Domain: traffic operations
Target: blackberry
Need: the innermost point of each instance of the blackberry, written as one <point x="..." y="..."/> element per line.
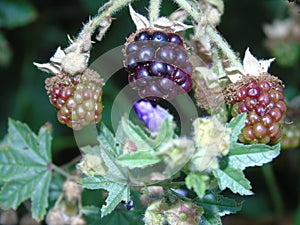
<point x="262" y="98"/>
<point x="158" y="64"/>
<point x="291" y="136"/>
<point x="78" y="99"/>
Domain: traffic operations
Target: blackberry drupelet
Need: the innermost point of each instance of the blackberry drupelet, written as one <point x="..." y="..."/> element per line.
<point x="78" y="99"/>
<point x="158" y="64"/>
<point x="262" y="98"/>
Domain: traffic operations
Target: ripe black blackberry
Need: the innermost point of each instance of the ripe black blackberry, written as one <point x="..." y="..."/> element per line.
<point x="262" y="98"/>
<point x="158" y="64"/>
<point x="77" y="98"/>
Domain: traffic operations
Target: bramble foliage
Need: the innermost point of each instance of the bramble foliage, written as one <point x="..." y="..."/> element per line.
<point x="147" y="173"/>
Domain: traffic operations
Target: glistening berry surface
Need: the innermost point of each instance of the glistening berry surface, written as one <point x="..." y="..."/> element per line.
<point x="158" y="64"/>
<point x="77" y="99"/>
<point x="263" y="101"/>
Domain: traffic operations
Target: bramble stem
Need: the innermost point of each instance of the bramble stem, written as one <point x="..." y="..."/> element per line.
<point x="211" y="32"/>
<point x="274" y="189"/>
<point x="186" y="6"/>
<point x="154" y="10"/>
<point x="62" y="172"/>
<point x="106" y="10"/>
<point x="223" y="45"/>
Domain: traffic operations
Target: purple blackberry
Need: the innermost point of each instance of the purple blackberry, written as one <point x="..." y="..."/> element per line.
<point x="158" y="64"/>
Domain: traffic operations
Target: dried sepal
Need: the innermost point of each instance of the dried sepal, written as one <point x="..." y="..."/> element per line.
<point x="72" y="63"/>
<point x="162" y="23"/>
<point x="208" y="89"/>
<point x="139" y="20"/>
<point x="166" y="23"/>
<point x="103" y="27"/>
<point x="251" y="66"/>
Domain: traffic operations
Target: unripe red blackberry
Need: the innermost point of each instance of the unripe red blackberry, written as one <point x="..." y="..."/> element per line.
<point x="291" y="136"/>
<point x="77" y="98"/>
<point x="158" y="64"/>
<point x="262" y="98"/>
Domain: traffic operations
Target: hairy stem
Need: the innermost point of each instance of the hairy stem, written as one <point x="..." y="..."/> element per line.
<point x="223" y="45"/>
<point x="274" y="189"/>
<point x="214" y="35"/>
<point x="186" y="6"/>
<point x="62" y="172"/>
<point x="154" y="10"/>
<point x="108" y="9"/>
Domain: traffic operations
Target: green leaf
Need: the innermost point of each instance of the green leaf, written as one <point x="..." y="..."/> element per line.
<point x="135" y="134"/>
<point x="117" y="192"/>
<point x="242" y="156"/>
<point x="16" y="13"/>
<point x="115" y="171"/>
<point x="198" y="182"/>
<point x="138" y="159"/>
<point x="234" y="179"/>
<point x="92" y="163"/>
<point x="237" y="124"/>
<point x="165" y="132"/>
<point x="24" y="160"/>
<point x="108" y="141"/>
<point x="218" y="204"/>
<point x="210" y="219"/>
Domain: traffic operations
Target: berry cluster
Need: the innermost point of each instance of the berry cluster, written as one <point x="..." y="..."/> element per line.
<point x="291" y="136"/>
<point x="158" y="64"/>
<point x="263" y="101"/>
<point x="78" y="99"/>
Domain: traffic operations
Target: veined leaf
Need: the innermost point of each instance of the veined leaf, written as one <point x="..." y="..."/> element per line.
<point x="136" y="134"/>
<point x="237" y="124"/>
<point x="198" y="182"/>
<point x="234" y="179"/>
<point x="139" y="159"/>
<point x="115" y="171"/>
<point x="210" y="219"/>
<point x="242" y="156"/>
<point x="218" y="204"/>
<point x="117" y="192"/>
<point x="108" y="141"/>
<point x="24" y="160"/>
<point x="165" y="132"/>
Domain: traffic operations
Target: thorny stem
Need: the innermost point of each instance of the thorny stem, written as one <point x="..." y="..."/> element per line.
<point x="274" y="189"/>
<point x="185" y="5"/>
<point x="223" y="45"/>
<point x="211" y="32"/>
<point x="106" y="10"/>
<point x="154" y="10"/>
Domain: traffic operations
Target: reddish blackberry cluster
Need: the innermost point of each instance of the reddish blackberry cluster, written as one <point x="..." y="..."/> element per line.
<point x="263" y="101"/>
<point x="291" y="136"/>
<point x="78" y="99"/>
<point x="158" y="64"/>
